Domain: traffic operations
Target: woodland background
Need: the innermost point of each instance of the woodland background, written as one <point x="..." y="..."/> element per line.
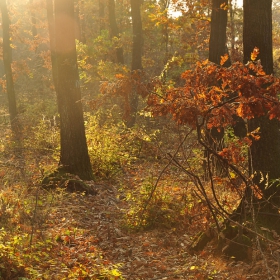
<point x="135" y="144"/>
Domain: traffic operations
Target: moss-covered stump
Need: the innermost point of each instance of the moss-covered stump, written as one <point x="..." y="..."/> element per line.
<point x="70" y="182"/>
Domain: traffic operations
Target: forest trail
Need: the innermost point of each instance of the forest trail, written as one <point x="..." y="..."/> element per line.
<point x="159" y="253"/>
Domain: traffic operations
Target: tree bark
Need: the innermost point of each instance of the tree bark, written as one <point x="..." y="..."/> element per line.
<point x="137" y="47"/>
<point x="33" y="19"/>
<point x="217" y="49"/>
<point x="101" y="15"/>
<point x="136" y="64"/>
<point x="265" y="153"/>
<point x="50" y="18"/>
<point x="218" y="38"/>
<point x="7" y="59"/>
<point x="114" y="29"/>
<point x="82" y="22"/>
<point x="74" y="156"/>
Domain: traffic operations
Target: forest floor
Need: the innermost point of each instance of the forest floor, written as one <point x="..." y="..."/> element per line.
<point x="62" y="235"/>
<point x="91" y="224"/>
<point x="158" y="253"/>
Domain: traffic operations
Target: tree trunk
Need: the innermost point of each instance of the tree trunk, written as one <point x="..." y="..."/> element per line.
<point x="74" y="156"/>
<point x="114" y="29"/>
<point x="217" y="49"/>
<point x="265" y="153"/>
<point x="77" y="20"/>
<point x="7" y="59"/>
<point x="164" y="4"/>
<point x="137" y="47"/>
<point x="82" y="22"/>
<point x="101" y="15"/>
<point x="33" y="20"/>
<point x="50" y="18"/>
<point x="218" y="38"/>
<point x="136" y="63"/>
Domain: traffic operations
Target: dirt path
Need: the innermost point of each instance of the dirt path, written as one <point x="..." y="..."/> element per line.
<point x="155" y="254"/>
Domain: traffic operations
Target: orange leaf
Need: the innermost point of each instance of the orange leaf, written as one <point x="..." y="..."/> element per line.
<point x="255" y="53"/>
<point x="224" y="59"/>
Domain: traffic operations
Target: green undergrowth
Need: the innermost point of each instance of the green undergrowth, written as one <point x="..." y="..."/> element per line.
<point x="167" y="205"/>
<point x="112" y="147"/>
<point x="33" y="247"/>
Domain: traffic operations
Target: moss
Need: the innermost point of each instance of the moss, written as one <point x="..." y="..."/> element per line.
<point x="201" y="240"/>
<point x="72" y="183"/>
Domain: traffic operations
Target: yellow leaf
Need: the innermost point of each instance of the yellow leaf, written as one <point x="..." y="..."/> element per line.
<point x="255" y="53"/>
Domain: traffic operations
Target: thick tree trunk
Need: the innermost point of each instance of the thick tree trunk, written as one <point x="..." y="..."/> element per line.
<point x="74" y="156"/>
<point x="7" y="59"/>
<point x="265" y="153"/>
<point x="114" y="29"/>
<point x="136" y="63"/>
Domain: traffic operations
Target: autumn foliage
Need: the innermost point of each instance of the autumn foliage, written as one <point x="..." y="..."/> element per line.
<point x="212" y="95"/>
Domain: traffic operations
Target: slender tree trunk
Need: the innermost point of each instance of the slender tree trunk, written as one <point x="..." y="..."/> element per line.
<point x="7" y="59"/>
<point x="101" y="15"/>
<point x="74" y="156"/>
<point x="218" y="37"/>
<point x="217" y="49"/>
<point x="33" y="20"/>
<point x="137" y="47"/>
<point x="114" y="29"/>
<point x="136" y="63"/>
<point x="77" y="20"/>
<point x="265" y="153"/>
<point x="164" y="7"/>
<point x="50" y="18"/>
<point x="83" y="22"/>
<point x="232" y="6"/>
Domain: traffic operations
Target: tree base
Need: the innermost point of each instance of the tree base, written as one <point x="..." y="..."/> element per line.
<point x="230" y="242"/>
<point x="67" y="181"/>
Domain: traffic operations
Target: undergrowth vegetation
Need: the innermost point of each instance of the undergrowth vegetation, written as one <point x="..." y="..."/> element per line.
<point x="156" y="165"/>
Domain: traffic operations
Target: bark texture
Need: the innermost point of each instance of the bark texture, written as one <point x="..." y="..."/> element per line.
<point x="74" y="156"/>
<point x="114" y="29"/>
<point x="7" y="59"/>
<point x="50" y="18"/>
<point x="265" y="153"/>
<point x="136" y="64"/>
<point x="218" y="38"/>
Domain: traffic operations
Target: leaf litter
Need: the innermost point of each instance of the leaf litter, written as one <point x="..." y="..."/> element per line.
<point x="91" y="224"/>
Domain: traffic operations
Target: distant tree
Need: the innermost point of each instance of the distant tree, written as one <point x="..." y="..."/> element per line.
<point x="33" y="19"/>
<point x="101" y="15"/>
<point x="74" y="156"/>
<point x="137" y="49"/>
<point x="217" y="49"/>
<point x="7" y="59"/>
<point x="218" y="36"/>
<point x="114" y="29"/>
<point x="50" y="19"/>
<point x="82" y="21"/>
